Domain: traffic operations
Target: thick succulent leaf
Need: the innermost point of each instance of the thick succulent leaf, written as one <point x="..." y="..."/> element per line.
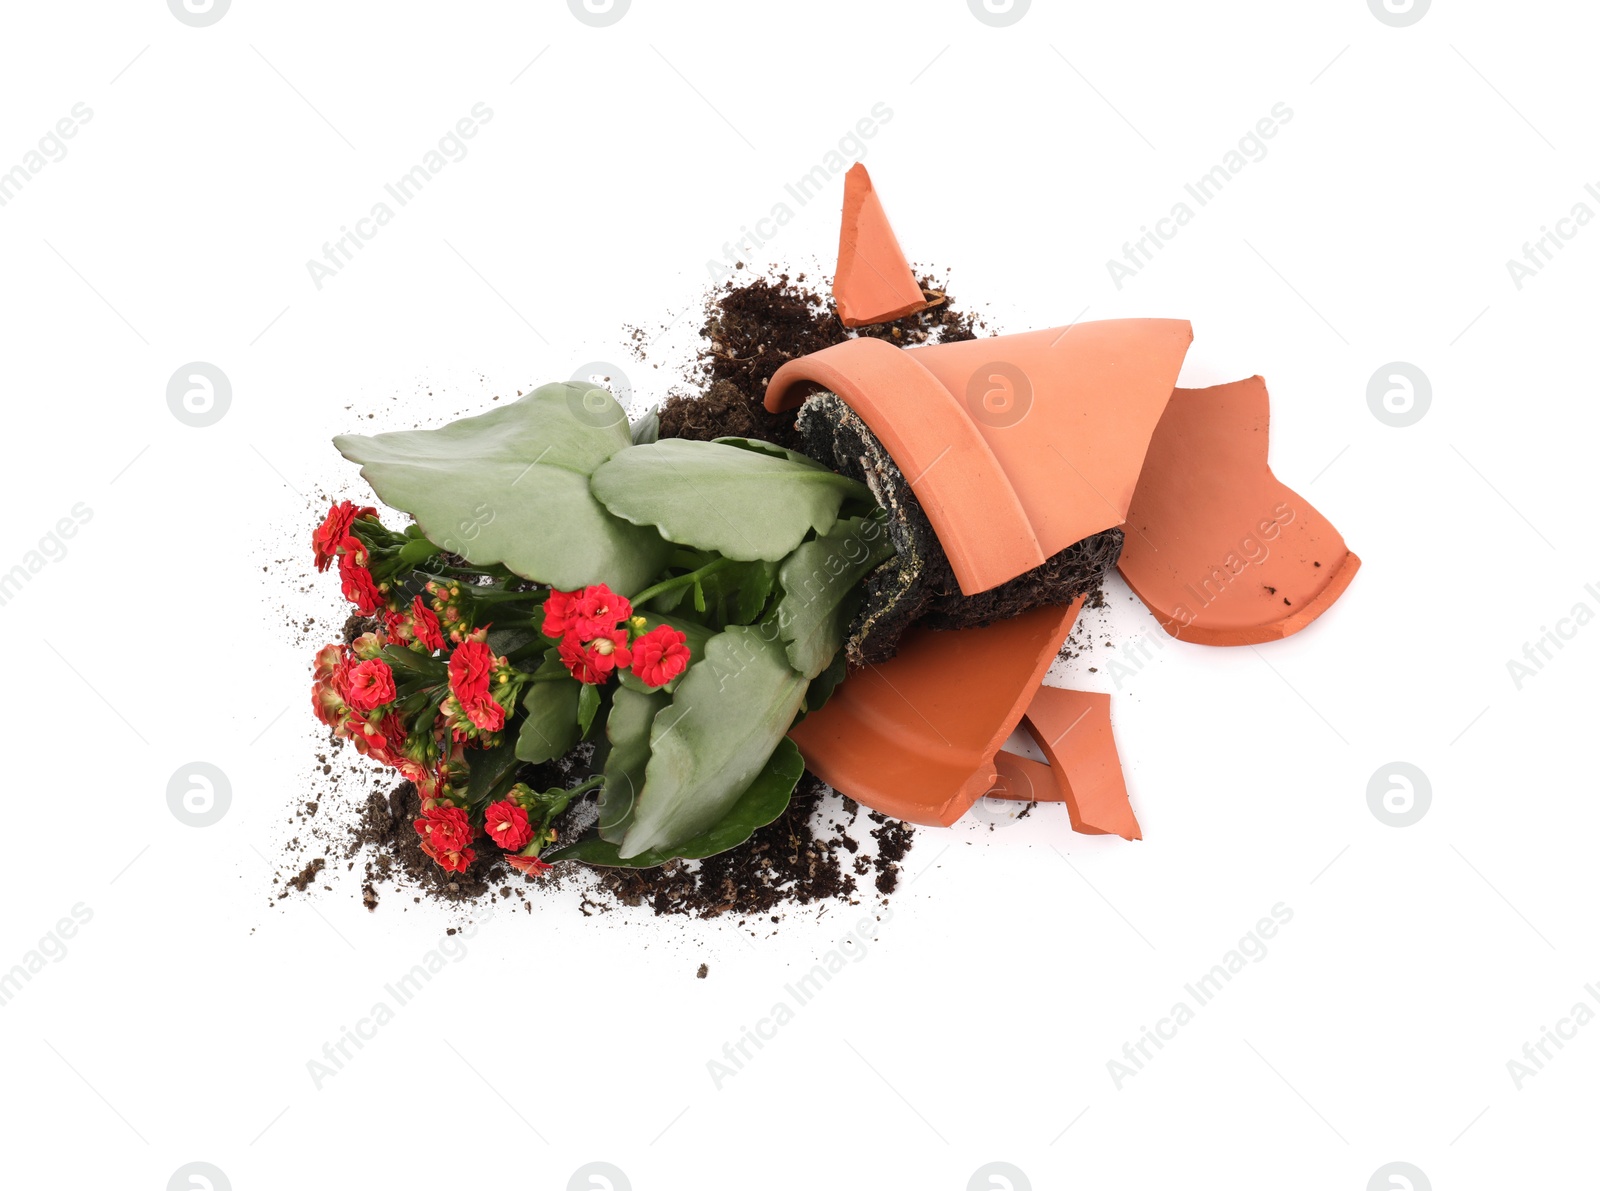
<point x="588" y="704"/>
<point x="726" y="717"/>
<point x="628" y="730"/>
<point x="512" y="486"/>
<point x="648" y="428"/>
<point x="824" y="684"/>
<point x="762" y="802"/>
<point x="552" y="724"/>
<point x="490" y="771"/>
<point x="819" y="589"/>
<point x="762" y="447"/>
<point x="744" y="504"/>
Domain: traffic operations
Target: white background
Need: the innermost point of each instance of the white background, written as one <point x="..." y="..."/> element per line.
<point x="979" y="1024"/>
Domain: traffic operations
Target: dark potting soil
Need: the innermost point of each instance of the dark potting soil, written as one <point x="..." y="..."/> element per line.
<point x="754" y="327"/>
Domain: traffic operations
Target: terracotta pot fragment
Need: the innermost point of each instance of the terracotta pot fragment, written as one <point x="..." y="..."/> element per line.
<point x="873" y="282"/>
<point x="1216" y="546"/>
<point x="1073" y="729"/>
<point x="1016" y="446"/>
<point x="915" y="737"/>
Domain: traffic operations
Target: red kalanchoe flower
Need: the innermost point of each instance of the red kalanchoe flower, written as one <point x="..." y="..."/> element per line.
<point x="384" y="741"/>
<point x="444" y="829"/>
<point x="471" y="668"/>
<point x="453" y="861"/>
<point x="486" y="715"/>
<point x="507" y="825"/>
<point x="660" y="655"/>
<point x="328" y="659"/>
<point x="425" y="628"/>
<point x="371" y="685"/>
<point x="355" y="580"/>
<point x="558" y="612"/>
<point x="531" y="865"/>
<point x="598" y="610"/>
<point x="470" y="665"/>
<point x="335" y="527"/>
<point x="593" y="661"/>
<point x="396" y="627"/>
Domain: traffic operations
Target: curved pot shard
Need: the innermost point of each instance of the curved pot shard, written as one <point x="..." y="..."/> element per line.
<point x="1073" y="729"/>
<point x="915" y="737"/>
<point x="1016" y="446"/>
<point x="872" y="283"/>
<point x="1217" y="548"/>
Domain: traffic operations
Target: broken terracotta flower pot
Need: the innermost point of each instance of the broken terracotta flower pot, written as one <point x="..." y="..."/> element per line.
<point x="915" y="737"/>
<point x="1216" y="546"/>
<point x="1016" y="448"/>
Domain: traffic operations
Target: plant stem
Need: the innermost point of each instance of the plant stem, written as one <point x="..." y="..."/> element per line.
<point x="666" y="585"/>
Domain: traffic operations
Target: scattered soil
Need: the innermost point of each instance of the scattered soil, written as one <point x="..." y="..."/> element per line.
<point x="755" y="327"/>
<point x="808" y="855"/>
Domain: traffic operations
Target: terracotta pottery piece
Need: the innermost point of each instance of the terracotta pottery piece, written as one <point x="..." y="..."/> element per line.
<point x="1073" y="729"/>
<point x="873" y="283"/>
<point x="1217" y="548"/>
<point x="1016" y="446"/>
<point x="915" y="737"/>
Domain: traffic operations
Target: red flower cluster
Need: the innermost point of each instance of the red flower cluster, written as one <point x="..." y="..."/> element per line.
<point x="446" y="832"/>
<point x="594" y="643"/>
<point x="472" y="666"/>
<point x="335" y="540"/>
<point x="419" y="627"/>
<point x="328" y="540"/>
<point x="660" y="655"/>
<point x="353" y="692"/>
<point x="460" y="700"/>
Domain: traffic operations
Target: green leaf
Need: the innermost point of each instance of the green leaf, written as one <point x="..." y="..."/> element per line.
<point x="819" y="589"/>
<point x="754" y="591"/>
<point x="823" y="685"/>
<point x="588" y="704"/>
<point x="628" y="730"/>
<point x="409" y="662"/>
<point x="552" y="724"/>
<point x="743" y="504"/>
<point x="762" y="802"/>
<point x="552" y="667"/>
<point x="490" y="772"/>
<point x="726" y="717"/>
<point x="648" y="428"/>
<point x="512" y="486"/>
<point x="415" y="552"/>
<point x="762" y="447"/>
<point x="504" y="641"/>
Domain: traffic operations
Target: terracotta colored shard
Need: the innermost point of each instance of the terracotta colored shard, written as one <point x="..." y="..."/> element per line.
<point x="1217" y="548"/>
<point x="1016" y="446"/>
<point x="1022" y="779"/>
<point x="873" y="283"/>
<point x="907" y="740"/>
<point x="1073" y="729"/>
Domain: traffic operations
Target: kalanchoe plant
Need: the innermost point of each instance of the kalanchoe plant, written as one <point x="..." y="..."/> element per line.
<point x="570" y="579"/>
